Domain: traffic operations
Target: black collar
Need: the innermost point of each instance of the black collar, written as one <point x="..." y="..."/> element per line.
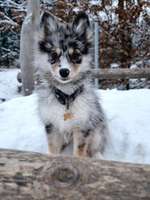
<point x="66" y="99"/>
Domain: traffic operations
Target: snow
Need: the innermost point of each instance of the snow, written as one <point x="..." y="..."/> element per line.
<point x="20" y="127"/>
<point x="114" y="65"/>
<point x="114" y="3"/>
<point x="103" y="16"/>
<point x="108" y="15"/>
<point x="133" y="66"/>
<point x="128" y="114"/>
<point x="8" y="84"/>
<point x="95" y="2"/>
<point x="76" y="9"/>
<point x="98" y="2"/>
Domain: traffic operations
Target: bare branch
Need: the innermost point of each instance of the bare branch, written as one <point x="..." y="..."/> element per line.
<point x="8" y="22"/>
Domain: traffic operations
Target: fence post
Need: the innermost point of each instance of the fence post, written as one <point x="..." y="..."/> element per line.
<point x="96" y="49"/>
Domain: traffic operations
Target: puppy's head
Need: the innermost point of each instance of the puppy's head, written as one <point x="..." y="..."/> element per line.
<point x="65" y="49"/>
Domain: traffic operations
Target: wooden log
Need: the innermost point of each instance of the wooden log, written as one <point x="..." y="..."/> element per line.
<point x="121" y="73"/>
<point x="27" y="176"/>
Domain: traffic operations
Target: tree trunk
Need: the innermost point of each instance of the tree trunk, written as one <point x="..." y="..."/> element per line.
<point x="27" y="176"/>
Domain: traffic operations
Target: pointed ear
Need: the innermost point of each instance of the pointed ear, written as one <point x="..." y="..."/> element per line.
<point x="49" y="22"/>
<point x="81" y="23"/>
<point x="82" y="28"/>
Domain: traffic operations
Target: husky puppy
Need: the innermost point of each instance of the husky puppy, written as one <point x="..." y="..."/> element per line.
<point x="68" y="105"/>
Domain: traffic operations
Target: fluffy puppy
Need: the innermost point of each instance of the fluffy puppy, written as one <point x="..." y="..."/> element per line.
<point x="68" y="105"/>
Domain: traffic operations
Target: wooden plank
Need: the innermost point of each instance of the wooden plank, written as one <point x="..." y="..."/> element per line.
<point x="121" y="73"/>
<point x="27" y="176"/>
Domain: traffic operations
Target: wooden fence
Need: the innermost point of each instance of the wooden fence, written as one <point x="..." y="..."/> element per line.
<point x="112" y="74"/>
<point x="121" y="73"/>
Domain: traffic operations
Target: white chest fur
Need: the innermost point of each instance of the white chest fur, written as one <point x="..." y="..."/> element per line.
<point x="52" y="111"/>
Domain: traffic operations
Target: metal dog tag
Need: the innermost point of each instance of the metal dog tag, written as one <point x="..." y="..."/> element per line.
<point x="68" y="116"/>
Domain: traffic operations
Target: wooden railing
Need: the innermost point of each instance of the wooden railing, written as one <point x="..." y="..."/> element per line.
<point x="120" y="73"/>
<point x="27" y="176"/>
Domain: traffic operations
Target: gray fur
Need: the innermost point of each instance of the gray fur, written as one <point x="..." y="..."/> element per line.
<point x="87" y="128"/>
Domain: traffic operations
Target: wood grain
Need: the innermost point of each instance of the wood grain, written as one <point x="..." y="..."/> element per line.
<point x="27" y="176"/>
<point x="121" y="73"/>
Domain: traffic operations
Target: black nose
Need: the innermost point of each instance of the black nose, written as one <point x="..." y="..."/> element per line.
<point x="64" y="72"/>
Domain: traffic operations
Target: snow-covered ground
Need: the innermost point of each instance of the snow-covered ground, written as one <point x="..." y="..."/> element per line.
<point x="128" y="114"/>
<point x="8" y="84"/>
